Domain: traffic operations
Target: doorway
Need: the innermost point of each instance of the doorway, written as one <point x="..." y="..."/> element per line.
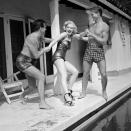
<point x="3" y="71"/>
<point x="13" y="32"/>
<point x="48" y="59"/>
<point x="17" y="34"/>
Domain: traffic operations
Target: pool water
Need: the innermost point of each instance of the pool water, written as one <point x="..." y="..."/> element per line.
<point x="118" y="118"/>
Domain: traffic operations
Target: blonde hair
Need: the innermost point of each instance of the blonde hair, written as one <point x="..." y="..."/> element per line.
<point x="70" y="22"/>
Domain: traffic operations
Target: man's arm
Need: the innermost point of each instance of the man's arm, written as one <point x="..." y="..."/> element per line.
<point x="103" y="40"/>
<point x="80" y="35"/>
<point x="86" y="39"/>
<point x="48" y="40"/>
<point x="104" y="37"/>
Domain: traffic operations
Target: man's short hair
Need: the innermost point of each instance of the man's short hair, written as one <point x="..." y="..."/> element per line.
<point x="96" y="10"/>
<point x="38" y="23"/>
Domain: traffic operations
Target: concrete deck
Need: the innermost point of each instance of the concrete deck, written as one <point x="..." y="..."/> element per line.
<point x="18" y="117"/>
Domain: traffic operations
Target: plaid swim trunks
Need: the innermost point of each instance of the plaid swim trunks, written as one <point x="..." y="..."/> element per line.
<point x="94" y="52"/>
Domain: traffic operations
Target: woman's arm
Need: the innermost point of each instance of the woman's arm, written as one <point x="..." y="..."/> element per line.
<point x="57" y="39"/>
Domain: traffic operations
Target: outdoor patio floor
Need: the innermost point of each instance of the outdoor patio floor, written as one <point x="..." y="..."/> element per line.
<point x="18" y="117"/>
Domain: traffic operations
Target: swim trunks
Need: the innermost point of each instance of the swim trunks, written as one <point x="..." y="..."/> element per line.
<point x="94" y="52"/>
<point x="23" y="62"/>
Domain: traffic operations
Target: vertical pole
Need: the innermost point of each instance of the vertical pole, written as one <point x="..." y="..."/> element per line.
<point x="55" y="31"/>
<point x="8" y="48"/>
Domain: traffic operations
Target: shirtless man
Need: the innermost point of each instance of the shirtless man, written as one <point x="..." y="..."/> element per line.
<point x="26" y="60"/>
<point x="96" y="37"/>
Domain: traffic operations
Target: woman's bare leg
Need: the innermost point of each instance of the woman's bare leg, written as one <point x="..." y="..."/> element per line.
<point x="60" y="65"/>
<point x="74" y="74"/>
<point x="61" y="68"/>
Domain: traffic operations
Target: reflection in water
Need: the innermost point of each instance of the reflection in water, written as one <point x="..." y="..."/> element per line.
<point x="116" y="119"/>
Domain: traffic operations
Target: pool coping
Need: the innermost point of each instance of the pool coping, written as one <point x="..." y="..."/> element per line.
<point x="87" y="113"/>
<point x="99" y="110"/>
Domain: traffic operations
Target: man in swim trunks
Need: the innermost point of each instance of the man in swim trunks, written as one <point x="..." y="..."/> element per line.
<point x="96" y="37"/>
<point x="32" y="51"/>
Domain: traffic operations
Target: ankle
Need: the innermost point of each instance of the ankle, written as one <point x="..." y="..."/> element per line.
<point x="70" y="91"/>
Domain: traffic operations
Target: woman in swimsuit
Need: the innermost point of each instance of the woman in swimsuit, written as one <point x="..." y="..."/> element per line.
<point x="64" y="43"/>
<point x="31" y="52"/>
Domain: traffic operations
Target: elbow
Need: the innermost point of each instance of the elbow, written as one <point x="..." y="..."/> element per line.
<point x="105" y="42"/>
<point x="36" y="56"/>
<point x="51" y="39"/>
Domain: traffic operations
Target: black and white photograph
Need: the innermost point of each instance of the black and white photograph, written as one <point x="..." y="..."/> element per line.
<point x="65" y="65"/>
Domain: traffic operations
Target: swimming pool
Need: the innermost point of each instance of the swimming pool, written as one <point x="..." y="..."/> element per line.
<point x="115" y="115"/>
<point x="118" y="118"/>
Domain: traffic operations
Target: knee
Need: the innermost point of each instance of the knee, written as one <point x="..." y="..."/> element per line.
<point x="75" y="73"/>
<point x="41" y="77"/>
<point x="86" y="74"/>
<point x="63" y="76"/>
<point x="104" y="76"/>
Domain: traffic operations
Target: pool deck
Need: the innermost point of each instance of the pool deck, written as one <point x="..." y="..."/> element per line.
<point x="18" y="117"/>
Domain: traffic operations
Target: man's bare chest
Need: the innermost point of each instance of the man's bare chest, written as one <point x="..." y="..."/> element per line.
<point x="96" y="29"/>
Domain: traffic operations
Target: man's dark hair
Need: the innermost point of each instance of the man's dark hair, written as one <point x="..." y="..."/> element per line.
<point x="38" y="23"/>
<point x="96" y="10"/>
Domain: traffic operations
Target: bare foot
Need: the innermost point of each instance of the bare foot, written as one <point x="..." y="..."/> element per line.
<point x="23" y="102"/>
<point x="82" y="95"/>
<point x="104" y="94"/>
<point x="45" y="106"/>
